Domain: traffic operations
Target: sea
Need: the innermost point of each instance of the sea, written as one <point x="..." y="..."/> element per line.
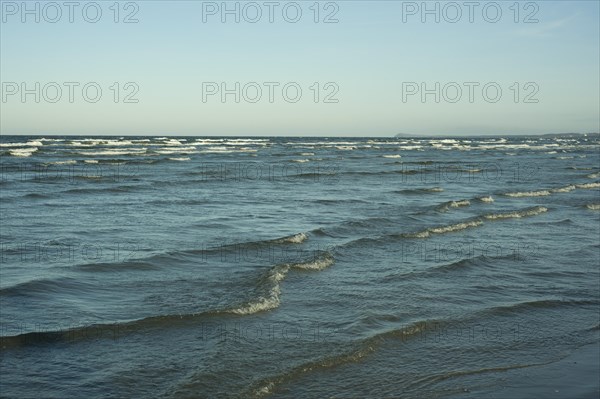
<point x="298" y="267"/>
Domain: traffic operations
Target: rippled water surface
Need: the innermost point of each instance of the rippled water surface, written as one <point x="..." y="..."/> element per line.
<point x="294" y="267"/>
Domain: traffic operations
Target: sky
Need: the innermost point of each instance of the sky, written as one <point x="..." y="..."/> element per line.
<point x="304" y="68"/>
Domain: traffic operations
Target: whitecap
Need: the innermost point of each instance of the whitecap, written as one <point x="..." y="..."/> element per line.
<point x="588" y="185"/>
<point x="539" y="193"/>
<point x="23" y="152"/>
<point x="517" y="214"/>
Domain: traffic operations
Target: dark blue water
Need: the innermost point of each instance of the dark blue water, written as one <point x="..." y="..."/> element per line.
<point x="294" y="267"/>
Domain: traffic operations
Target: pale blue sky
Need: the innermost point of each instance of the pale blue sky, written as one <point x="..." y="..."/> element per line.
<point x="368" y="54"/>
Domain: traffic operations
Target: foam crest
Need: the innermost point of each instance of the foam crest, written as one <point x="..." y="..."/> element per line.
<point x="317" y="264"/>
<point x="588" y="185"/>
<point x="457" y="204"/>
<point x="565" y="189"/>
<point x="540" y="193"/>
<point x="295" y="239"/>
<point x="517" y="214"/>
<point x="487" y="199"/>
<point x="445" y="229"/>
<point x="23" y="152"/>
<point x="271" y="300"/>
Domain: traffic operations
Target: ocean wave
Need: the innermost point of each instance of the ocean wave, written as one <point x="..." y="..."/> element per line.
<point x="444" y="229"/>
<point x="293" y="239"/>
<point x="315" y="264"/>
<point x="267" y="386"/>
<point x="43" y="286"/>
<point x="517" y="214"/>
<point x="358" y="352"/>
<point x="130" y="151"/>
<point x="588" y="185"/>
<point x="478" y="221"/>
<point x="565" y="189"/>
<point x="30" y="143"/>
<point x="593" y="207"/>
<point x="275" y="276"/>
<point x="269" y="301"/>
<point x="23" y="152"/>
<point x="112" y="189"/>
<point x="453" y="204"/>
<point x="487" y="199"/>
<point x="537" y="304"/>
<point x="546" y="192"/>
<point x="117" y="267"/>
<point x="593" y="175"/>
<point x="362" y="349"/>
<point x="540" y="193"/>
<point x="457" y="204"/>
<point x="392" y="156"/>
<point x="181" y="159"/>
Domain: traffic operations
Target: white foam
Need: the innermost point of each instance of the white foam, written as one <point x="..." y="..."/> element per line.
<point x="69" y="162"/>
<point x="317" y="264"/>
<point x="172" y="142"/>
<point x="593" y="175"/>
<point x="30" y="143"/>
<point x="180" y="159"/>
<point x="271" y="301"/>
<point x="446" y="229"/>
<point x="307" y="154"/>
<point x="23" y="152"/>
<point x="517" y="214"/>
<point x="455" y="227"/>
<point x="594" y="207"/>
<point x="90" y="161"/>
<point x="53" y="140"/>
<point x="130" y="151"/>
<point x="488" y="199"/>
<point x="456" y="204"/>
<point x="392" y="156"/>
<point x="295" y="239"/>
<point x="565" y="189"/>
<point x="99" y="142"/>
<point x="588" y="185"/>
<point x="345" y="147"/>
<point x="300" y="160"/>
<point x="539" y="193"/>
